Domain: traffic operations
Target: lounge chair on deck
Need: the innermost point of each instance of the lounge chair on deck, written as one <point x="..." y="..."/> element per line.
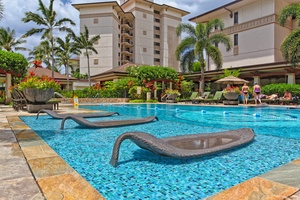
<point x="55" y="115"/>
<point x="18" y="99"/>
<point x="293" y="101"/>
<point x="199" y="99"/>
<point x="216" y="99"/>
<point x="185" y="146"/>
<point x="190" y="99"/>
<point x="105" y="124"/>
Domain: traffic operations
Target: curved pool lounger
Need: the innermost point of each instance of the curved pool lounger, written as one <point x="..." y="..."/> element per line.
<point x="55" y="115"/>
<point x="105" y="124"/>
<point x="185" y="146"/>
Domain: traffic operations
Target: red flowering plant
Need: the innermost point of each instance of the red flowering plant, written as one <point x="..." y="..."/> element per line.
<point x="231" y="89"/>
<point x="44" y="82"/>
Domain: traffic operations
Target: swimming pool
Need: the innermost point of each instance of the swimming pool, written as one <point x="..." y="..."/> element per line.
<point x="144" y="175"/>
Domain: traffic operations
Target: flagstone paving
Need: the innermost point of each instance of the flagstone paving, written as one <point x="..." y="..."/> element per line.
<point x="30" y="169"/>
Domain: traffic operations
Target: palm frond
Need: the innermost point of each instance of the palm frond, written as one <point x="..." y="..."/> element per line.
<point x="292" y="10"/>
<point x="184" y="45"/>
<point x="214" y="24"/>
<point x="215" y="54"/>
<point x="291" y="46"/>
<point x="186" y="28"/>
<point x="223" y="39"/>
<point x="187" y="60"/>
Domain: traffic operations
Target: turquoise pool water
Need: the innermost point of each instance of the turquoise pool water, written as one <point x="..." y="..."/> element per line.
<point x="144" y="175"/>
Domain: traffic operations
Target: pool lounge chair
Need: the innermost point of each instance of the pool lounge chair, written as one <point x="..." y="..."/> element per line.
<point x="18" y="99"/>
<point x="199" y="99"/>
<point x="106" y="124"/>
<point x="193" y="96"/>
<point x="55" y="115"/>
<point x="216" y="99"/>
<point x="185" y="146"/>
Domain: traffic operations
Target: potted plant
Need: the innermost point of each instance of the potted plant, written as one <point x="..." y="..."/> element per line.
<point x="231" y="93"/>
<point x="38" y="89"/>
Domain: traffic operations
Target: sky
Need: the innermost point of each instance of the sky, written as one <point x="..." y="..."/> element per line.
<point x="14" y="11"/>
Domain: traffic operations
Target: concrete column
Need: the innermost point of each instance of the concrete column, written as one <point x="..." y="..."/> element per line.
<point x="291" y="78"/>
<point x="256" y="79"/>
<point x="7" y="88"/>
<point x="171" y="85"/>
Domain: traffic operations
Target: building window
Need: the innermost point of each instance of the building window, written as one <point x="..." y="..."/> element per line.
<point x="96" y="61"/>
<point x="144" y="49"/>
<point x="157" y="28"/>
<point x="144" y="15"/>
<point x="156" y="52"/>
<point x="119" y="26"/>
<point x="95" y="20"/>
<point x="156" y="12"/>
<point x="156" y="60"/>
<point x="144" y="32"/>
<point x="119" y="45"/>
<point x="236" y="18"/>
<point x="236" y="40"/>
<point x="156" y="20"/>
<point x="156" y="36"/>
<point x="156" y="44"/>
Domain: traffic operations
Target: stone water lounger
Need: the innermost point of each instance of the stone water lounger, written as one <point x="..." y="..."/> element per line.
<point x="105" y="124"/>
<point x="55" y="115"/>
<point x="185" y="146"/>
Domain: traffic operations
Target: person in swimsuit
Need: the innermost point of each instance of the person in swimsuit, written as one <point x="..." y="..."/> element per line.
<point x="245" y="90"/>
<point x="256" y="92"/>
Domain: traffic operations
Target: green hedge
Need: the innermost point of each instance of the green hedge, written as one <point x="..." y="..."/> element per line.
<point x="280" y="88"/>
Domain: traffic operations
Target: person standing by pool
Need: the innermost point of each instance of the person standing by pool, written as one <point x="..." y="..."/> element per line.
<point x="245" y="91"/>
<point x="256" y="93"/>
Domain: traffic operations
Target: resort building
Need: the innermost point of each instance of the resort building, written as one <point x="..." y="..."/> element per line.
<point x="137" y="31"/>
<point x="257" y="37"/>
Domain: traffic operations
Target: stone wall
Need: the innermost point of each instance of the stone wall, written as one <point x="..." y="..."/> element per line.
<point x="92" y="100"/>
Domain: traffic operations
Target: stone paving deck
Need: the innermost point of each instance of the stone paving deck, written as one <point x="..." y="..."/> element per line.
<point x="30" y="169"/>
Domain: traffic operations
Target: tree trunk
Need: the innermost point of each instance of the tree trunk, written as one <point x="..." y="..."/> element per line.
<point x="202" y="79"/>
<point x="88" y="61"/>
<point x="68" y="81"/>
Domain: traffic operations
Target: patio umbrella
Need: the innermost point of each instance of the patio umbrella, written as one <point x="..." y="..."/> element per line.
<point x="231" y="80"/>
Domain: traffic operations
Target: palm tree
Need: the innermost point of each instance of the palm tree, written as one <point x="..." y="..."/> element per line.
<point x="50" y="23"/>
<point x="9" y="42"/>
<point x="65" y="50"/>
<point x="83" y="42"/>
<point x="200" y="40"/>
<point x="42" y="52"/>
<point x="290" y="47"/>
<point x="1" y="10"/>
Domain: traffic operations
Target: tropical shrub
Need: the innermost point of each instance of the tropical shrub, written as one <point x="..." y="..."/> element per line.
<point x="146" y="73"/>
<point x="186" y="88"/>
<point x="44" y="82"/>
<point x="280" y="88"/>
